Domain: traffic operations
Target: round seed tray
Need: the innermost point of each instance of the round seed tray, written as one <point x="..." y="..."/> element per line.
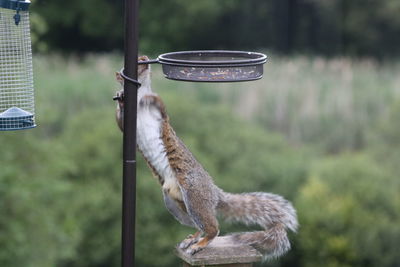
<point x="211" y="66"/>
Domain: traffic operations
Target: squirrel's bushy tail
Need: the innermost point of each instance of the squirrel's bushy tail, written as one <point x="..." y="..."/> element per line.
<point x="272" y="212"/>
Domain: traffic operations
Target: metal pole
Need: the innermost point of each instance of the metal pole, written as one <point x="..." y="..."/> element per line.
<point x="129" y="139"/>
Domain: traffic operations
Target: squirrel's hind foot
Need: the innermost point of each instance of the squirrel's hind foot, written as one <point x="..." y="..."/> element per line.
<point x="193" y="249"/>
<point x="190" y="240"/>
<point x="200" y="243"/>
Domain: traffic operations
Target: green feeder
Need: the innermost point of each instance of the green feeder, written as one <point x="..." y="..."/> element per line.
<point x="16" y="78"/>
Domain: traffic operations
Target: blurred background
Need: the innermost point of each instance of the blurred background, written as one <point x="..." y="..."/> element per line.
<point x="322" y="128"/>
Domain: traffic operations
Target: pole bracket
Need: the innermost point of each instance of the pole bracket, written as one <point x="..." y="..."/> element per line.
<point x="127" y="78"/>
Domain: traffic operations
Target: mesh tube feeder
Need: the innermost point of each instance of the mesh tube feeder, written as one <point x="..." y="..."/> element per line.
<point x="16" y="77"/>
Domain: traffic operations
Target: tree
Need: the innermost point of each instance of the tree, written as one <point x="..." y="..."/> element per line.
<point x="348" y="214"/>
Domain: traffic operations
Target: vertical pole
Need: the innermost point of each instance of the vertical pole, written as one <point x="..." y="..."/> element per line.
<point x="129" y="139"/>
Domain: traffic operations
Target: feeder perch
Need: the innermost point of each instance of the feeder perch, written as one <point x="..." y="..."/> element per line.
<point x="16" y="78"/>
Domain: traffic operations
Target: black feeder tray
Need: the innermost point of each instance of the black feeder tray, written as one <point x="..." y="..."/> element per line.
<point x="211" y="65"/>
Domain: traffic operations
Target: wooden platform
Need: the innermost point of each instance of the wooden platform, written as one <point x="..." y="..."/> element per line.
<point x="222" y="251"/>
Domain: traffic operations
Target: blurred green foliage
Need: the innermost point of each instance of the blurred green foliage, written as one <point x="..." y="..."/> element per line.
<point x="296" y="132"/>
<point x="356" y="28"/>
<point x="354" y="217"/>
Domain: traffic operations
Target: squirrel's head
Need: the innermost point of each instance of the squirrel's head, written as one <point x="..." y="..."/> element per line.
<point x="143" y="71"/>
<point x="143" y="78"/>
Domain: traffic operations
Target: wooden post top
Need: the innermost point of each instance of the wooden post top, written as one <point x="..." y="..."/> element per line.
<point x="222" y="251"/>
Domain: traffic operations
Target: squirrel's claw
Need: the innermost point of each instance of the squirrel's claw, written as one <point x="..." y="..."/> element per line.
<point x="190" y="240"/>
<point x="193" y="244"/>
<point x="194" y="249"/>
<point x="200" y="244"/>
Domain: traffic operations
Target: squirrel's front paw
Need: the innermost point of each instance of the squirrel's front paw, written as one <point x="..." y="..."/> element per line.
<point x="190" y="240"/>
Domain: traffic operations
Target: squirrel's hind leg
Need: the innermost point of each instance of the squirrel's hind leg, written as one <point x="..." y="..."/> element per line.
<point x="177" y="211"/>
<point x="200" y="205"/>
<point x="204" y="218"/>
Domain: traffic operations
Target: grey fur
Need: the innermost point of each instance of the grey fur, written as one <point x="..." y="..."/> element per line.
<point x="180" y="215"/>
<point x="272" y="212"/>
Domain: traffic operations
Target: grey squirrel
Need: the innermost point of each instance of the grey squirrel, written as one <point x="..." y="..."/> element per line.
<point x="190" y="194"/>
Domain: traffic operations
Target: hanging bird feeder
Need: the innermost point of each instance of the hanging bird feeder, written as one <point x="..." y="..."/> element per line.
<point x="16" y="78"/>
